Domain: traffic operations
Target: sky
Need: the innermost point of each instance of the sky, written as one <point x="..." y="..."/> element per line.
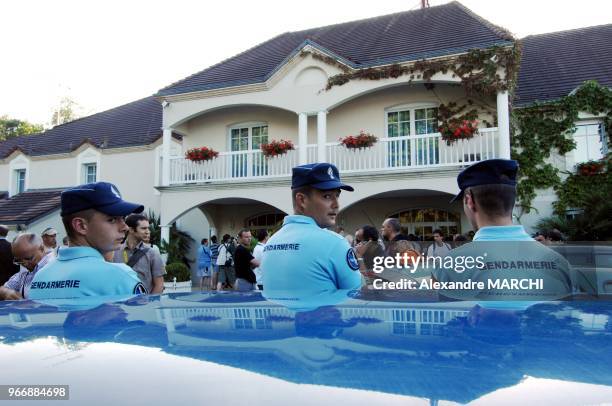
<point x="103" y="54"/>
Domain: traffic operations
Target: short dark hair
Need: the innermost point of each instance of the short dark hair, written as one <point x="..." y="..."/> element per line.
<point x="370" y="233"/>
<point x="242" y="231"/>
<point x="554" y="235"/>
<point x="307" y="190"/>
<point x="261" y="234"/>
<point x="133" y="219"/>
<point x="204" y="241"/>
<point x="3" y="231"/>
<point x="494" y="200"/>
<point x="87" y="214"/>
<point x="395" y="224"/>
<point x="213" y="239"/>
<point x="226" y="237"/>
<point x="460" y="237"/>
<point x="438" y="231"/>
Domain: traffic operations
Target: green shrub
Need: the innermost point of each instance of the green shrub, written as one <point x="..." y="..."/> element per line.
<point x="178" y="269"/>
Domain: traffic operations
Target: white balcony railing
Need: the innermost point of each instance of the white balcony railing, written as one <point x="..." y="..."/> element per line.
<point x="427" y="151"/>
<point x="417" y="152"/>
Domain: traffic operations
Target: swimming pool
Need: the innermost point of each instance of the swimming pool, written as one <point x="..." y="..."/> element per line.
<point x="357" y="349"/>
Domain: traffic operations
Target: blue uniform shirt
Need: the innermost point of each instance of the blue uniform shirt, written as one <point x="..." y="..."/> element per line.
<point x="303" y="256"/>
<point x="82" y="271"/>
<point x="508" y="254"/>
<point x="502" y="233"/>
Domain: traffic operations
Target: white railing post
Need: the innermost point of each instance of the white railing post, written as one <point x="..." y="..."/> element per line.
<point x="303" y="138"/>
<point x="503" y="123"/>
<point x="321" y="136"/>
<point x="167" y="139"/>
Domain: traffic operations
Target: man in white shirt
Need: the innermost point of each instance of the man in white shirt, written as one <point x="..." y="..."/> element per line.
<point x="262" y="239"/>
<point x="49" y="238"/>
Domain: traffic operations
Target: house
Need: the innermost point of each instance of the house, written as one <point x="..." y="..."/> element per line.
<point x="391" y="76"/>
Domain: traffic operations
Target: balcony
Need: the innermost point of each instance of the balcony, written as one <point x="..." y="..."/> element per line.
<point x="426" y="152"/>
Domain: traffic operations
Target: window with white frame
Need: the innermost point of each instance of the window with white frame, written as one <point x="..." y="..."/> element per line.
<point x="412" y="121"/>
<point x="90" y="173"/>
<point x="20" y="180"/>
<point x="247" y="137"/>
<point x="589" y="138"/>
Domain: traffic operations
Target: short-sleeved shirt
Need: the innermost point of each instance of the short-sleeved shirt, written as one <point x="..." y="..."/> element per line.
<point x="82" y="271"/>
<point x="303" y="256"/>
<point x="214" y="252"/>
<point x="204" y="257"/>
<point x="20" y="282"/>
<point x="148" y="267"/>
<point x="257" y="254"/>
<point x="511" y="254"/>
<point x="242" y="264"/>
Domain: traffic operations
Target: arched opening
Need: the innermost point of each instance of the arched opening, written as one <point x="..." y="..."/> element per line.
<point x="420" y="212"/>
<point x="423" y="221"/>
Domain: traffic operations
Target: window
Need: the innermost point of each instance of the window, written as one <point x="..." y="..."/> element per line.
<point x="20" y="178"/>
<point x="246" y="138"/>
<point x="589" y="142"/>
<point x="90" y="173"/>
<point x="410" y="123"/>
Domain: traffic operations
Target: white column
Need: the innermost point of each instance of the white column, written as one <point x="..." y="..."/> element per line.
<point x="167" y="139"/>
<point x="503" y="124"/>
<point x="165" y="234"/>
<point x="321" y="136"/>
<point x="303" y="138"/>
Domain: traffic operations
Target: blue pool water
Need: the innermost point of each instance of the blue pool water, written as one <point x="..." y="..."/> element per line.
<point x="355" y="348"/>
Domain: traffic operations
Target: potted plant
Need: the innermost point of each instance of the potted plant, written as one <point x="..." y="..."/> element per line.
<point x="201" y="154"/>
<point x="457" y="129"/>
<point x="275" y="148"/>
<point x="590" y="168"/>
<point x="362" y="140"/>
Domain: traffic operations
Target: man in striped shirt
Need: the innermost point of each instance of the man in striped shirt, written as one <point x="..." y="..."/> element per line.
<point x="214" y="251"/>
<point x="29" y="253"/>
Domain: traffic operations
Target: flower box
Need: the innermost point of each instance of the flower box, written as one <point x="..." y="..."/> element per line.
<point x="201" y="154"/>
<point x="457" y="129"/>
<point x="275" y="148"/>
<point x="363" y="140"/>
<point x="590" y="168"/>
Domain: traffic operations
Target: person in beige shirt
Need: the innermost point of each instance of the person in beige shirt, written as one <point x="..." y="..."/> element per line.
<point x="144" y="260"/>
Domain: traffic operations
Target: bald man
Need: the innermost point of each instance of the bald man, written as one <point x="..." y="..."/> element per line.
<point x="29" y="252"/>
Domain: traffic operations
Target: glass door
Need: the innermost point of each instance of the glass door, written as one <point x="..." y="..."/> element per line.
<point x="398" y="151"/>
<point x="239" y="141"/>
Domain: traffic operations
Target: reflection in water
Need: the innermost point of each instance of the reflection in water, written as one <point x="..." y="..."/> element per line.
<point x="456" y="351"/>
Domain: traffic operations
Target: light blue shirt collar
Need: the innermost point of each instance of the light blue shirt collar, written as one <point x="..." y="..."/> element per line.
<point x="69" y="253"/>
<point x="502" y="233"/>
<point x="299" y="219"/>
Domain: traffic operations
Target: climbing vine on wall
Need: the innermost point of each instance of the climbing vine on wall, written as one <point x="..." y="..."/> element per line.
<point x="540" y="129"/>
<point x="537" y="130"/>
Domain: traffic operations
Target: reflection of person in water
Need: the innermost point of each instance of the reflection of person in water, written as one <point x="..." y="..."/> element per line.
<point x="109" y="322"/>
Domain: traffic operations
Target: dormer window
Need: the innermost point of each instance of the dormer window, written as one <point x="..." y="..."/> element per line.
<point x="20" y="181"/>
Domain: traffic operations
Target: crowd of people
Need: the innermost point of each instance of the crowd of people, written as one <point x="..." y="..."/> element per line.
<point x="107" y="250"/>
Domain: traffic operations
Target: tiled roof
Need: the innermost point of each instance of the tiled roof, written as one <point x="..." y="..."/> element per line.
<point x="554" y="64"/>
<point x="407" y="36"/>
<point x="136" y="123"/>
<point x="28" y="206"/>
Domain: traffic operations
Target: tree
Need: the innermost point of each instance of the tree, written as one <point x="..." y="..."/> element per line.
<point x="11" y="127"/>
<point x="65" y="112"/>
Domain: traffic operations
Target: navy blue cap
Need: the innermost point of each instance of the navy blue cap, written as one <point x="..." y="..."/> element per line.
<point x="322" y="176"/>
<point x="101" y="196"/>
<point x="489" y="172"/>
